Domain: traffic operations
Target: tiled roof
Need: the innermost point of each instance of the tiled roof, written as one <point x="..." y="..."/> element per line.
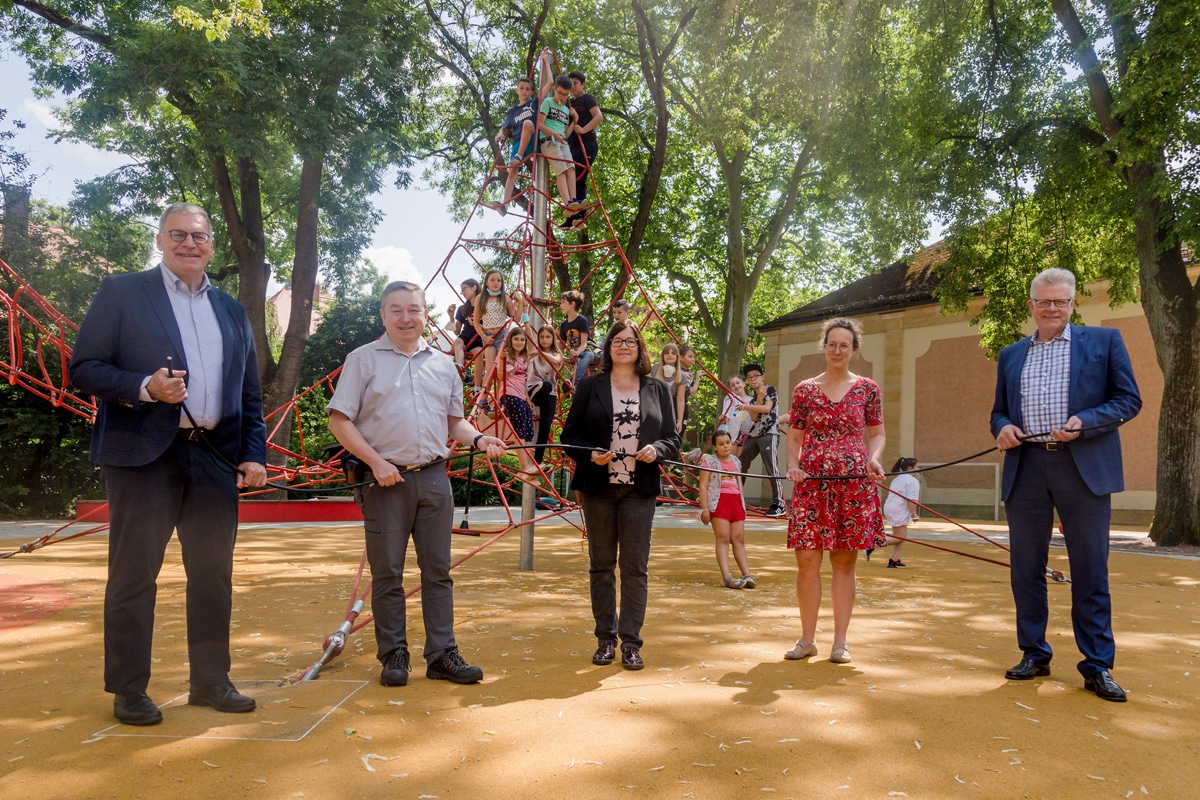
<point x="908" y="282"/>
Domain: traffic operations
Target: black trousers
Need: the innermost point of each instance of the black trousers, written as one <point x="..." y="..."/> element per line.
<point x="546" y="404"/>
<point x="581" y="171"/>
<point x="619" y="525"/>
<point x="188" y="490"/>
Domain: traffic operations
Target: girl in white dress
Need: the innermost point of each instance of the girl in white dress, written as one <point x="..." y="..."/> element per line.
<point x="900" y="508"/>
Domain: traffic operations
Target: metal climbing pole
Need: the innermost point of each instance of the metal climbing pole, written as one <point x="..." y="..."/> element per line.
<point x="540" y="197"/>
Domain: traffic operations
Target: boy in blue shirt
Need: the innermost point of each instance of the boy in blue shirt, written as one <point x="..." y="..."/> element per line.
<point x="518" y="126"/>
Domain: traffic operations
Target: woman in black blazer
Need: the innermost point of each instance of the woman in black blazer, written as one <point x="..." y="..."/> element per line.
<point x="621" y="410"/>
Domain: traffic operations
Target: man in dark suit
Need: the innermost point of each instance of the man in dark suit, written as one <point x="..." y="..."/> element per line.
<point x="1060" y="396"/>
<point x="151" y="342"/>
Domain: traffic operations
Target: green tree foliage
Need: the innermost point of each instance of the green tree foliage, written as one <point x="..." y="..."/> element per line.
<point x="740" y="140"/>
<point x="283" y="138"/>
<point x="1065" y="134"/>
<point x="63" y="253"/>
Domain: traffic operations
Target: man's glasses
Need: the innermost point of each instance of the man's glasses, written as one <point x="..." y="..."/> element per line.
<point x="627" y="343"/>
<point x="199" y="237"/>
<point x="1055" y="303"/>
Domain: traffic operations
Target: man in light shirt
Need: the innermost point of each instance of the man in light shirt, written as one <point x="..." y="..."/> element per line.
<point x="397" y="402"/>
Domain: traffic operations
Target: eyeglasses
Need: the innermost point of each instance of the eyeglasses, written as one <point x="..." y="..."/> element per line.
<point x="627" y="343"/>
<point x="199" y="237"/>
<point x="838" y="347"/>
<point x="1055" y="303"/>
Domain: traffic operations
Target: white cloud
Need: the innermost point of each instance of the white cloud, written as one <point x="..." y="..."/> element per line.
<point x="397" y="264"/>
<point x="394" y="262"/>
<point x="41" y="112"/>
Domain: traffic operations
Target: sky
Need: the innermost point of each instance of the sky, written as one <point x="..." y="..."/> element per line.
<point x="410" y="242"/>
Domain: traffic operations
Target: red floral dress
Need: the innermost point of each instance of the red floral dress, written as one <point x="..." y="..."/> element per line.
<point x="835" y="514"/>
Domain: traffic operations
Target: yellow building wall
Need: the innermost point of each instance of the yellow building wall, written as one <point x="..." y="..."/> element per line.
<point x="938" y="386"/>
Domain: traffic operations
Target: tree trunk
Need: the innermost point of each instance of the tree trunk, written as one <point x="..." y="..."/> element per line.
<point x="735" y="319"/>
<point x="1170" y="303"/>
<point x="280" y="388"/>
<point x="254" y="275"/>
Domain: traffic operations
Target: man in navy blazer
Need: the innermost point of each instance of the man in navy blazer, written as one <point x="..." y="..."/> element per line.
<point x="151" y="342"/>
<point x="1061" y="394"/>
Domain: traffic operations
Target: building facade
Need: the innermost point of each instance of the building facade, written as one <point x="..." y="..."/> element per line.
<point x="938" y="384"/>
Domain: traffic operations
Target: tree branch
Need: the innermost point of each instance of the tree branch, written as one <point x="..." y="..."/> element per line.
<point x="701" y="304"/>
<point x="1012" y="138"/>
<point x="67" y="23"/>
<point x="1085" y="55"/>
<point x="787" y="205"/>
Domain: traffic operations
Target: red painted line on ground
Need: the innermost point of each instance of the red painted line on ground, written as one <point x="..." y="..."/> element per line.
<point x="25" y="600"/>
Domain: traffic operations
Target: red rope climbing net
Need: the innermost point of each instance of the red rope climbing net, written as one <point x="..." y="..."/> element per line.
<point x="38" y="351"/>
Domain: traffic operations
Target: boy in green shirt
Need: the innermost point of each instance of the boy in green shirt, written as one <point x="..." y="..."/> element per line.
<point x="556" y="120"/>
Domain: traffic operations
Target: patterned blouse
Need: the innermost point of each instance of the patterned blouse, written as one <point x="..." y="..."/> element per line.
<point x="627" y="422"/>
<point x="495" y="315"/>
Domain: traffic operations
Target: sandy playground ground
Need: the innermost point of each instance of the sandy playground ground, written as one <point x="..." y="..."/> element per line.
<point x="923" y="711"/>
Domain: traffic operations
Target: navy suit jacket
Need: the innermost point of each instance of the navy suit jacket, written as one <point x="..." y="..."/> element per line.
<point x="128" y="333"/>
<point x="1102" y="393"/>
<point x="590" y="422"/>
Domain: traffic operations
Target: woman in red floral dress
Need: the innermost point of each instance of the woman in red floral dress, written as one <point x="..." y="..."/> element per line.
<point x="831" y="415"/>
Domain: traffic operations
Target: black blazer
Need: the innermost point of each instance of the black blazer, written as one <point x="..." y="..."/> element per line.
<point x="128" y="333"/>
<point x="589" y="424"/>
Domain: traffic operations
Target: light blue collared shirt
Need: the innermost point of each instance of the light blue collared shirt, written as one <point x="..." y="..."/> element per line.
<point x="203" y="350"/>
<point x="1046" y="385"/>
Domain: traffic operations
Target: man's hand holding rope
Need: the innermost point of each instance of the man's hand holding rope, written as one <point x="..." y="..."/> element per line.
<point x="251" y="474"/>
<point x="1011" y="436"/>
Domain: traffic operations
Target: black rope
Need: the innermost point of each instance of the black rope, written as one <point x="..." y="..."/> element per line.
<point x="666" y="462"/>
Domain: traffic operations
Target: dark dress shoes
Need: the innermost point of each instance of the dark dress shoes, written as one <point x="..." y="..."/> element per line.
<point x="605" y="654"/>
<point x="1104" y="687"/>
<point x="136" y="709"/>
<point x="1027" y="670"/>
<point x="631" y="657"/>
<point x="222" y="697"/>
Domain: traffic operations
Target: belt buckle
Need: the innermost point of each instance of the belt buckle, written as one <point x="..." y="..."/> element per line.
<point x="194" y="435"/>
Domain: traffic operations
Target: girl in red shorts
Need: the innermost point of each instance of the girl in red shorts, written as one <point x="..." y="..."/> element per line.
<point x="722" y="504"/>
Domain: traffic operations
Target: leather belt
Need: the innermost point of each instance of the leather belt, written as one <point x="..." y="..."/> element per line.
<point x="1051" y="446"/>
<point x="192" y="434"/>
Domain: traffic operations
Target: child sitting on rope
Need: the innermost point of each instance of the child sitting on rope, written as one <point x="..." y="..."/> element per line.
<point x="514" y="371"/>
<point x="494" y="313"/>
<point x="556" y="121"/>
<point x="518" y="127"/>
<point x="467" y="341"/>
<point x="575" y="330"/>
<point x="734" y="419"/>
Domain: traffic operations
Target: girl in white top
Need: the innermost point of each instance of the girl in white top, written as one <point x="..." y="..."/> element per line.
<point x="542" y="380"/>
<point x="494" y="311"/>
<point x="900" y="508"/>
<point x="733" y="417"/>
<point x="667" y="369"/>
